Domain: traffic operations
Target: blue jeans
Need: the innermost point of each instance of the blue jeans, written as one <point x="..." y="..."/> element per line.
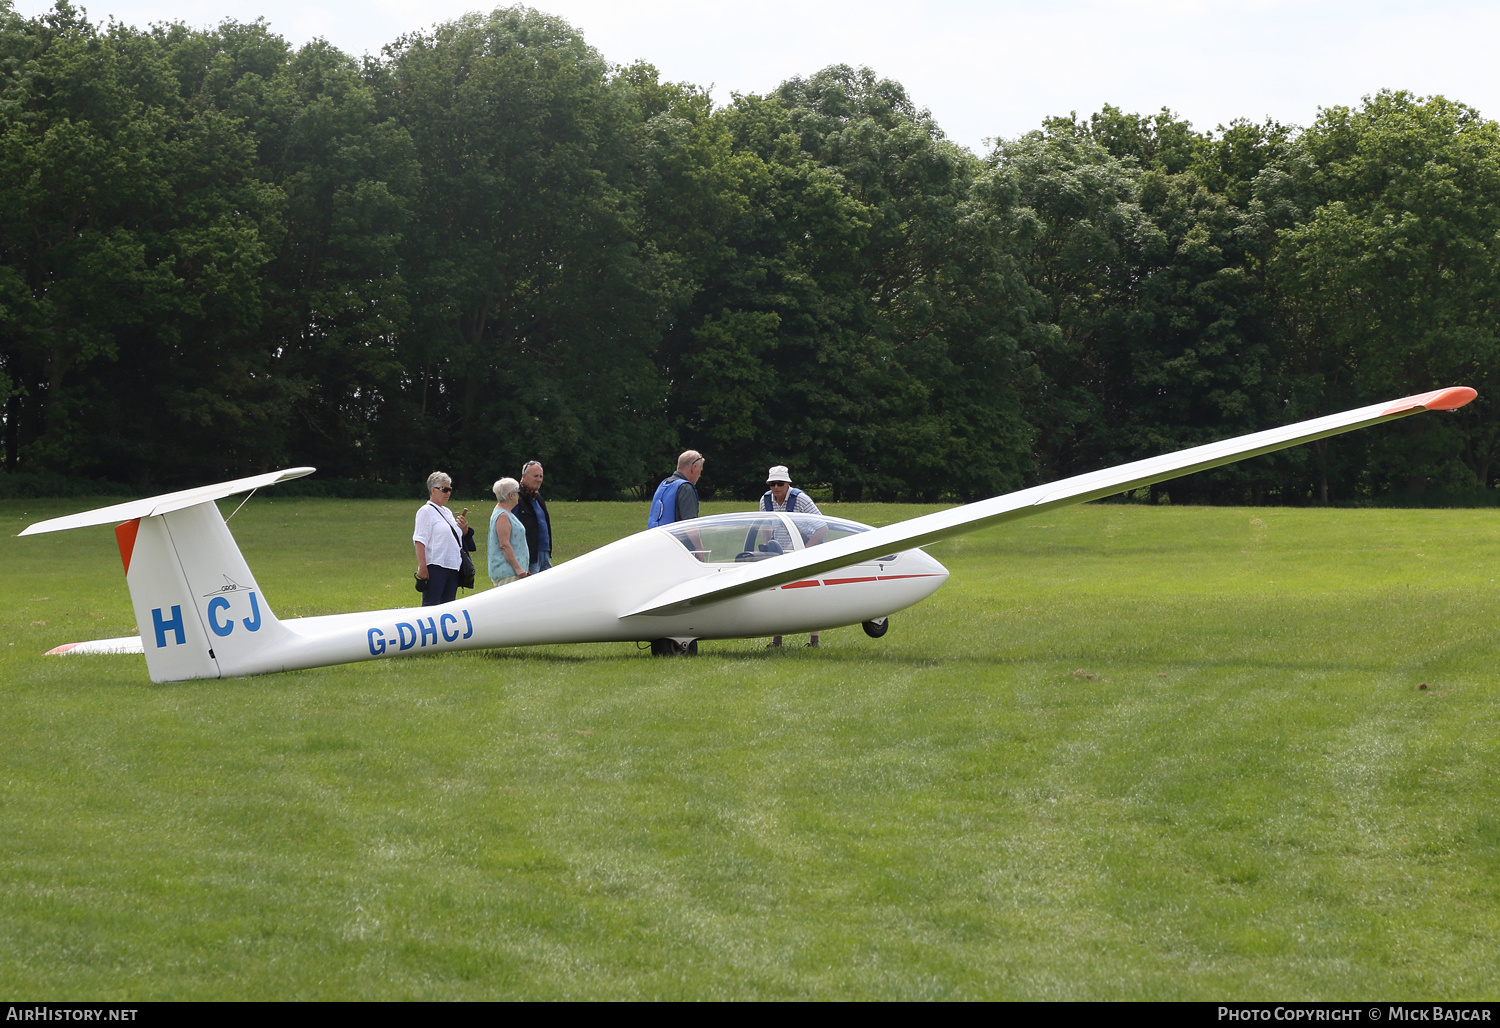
<point x="442" y="585"/>
<point x="542" y="563"/>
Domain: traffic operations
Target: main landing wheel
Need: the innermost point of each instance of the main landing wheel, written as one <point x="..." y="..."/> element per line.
<point x="674" y="648"/>
<point x="875" y="629"/>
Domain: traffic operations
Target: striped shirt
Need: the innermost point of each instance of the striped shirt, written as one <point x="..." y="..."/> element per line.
<point x="802" y="505"/>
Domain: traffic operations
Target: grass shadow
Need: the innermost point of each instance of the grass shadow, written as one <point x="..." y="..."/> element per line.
<point x="522" y="653"/>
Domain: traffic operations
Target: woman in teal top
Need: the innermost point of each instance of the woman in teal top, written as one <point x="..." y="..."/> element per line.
<point x="509" y="557"/>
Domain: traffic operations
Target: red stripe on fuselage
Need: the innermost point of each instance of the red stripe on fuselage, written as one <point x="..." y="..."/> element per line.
<point x="808" y="583"/>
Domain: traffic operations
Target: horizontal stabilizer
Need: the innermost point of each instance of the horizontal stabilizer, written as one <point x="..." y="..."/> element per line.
<point x="906" y="535"/>
<point x="125" y="644"/>
<point x="164" y="504"/>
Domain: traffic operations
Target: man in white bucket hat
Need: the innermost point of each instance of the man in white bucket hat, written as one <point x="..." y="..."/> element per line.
<point x="781" y="496"/>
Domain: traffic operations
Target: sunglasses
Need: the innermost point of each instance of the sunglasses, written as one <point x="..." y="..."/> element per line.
<point x="445" y="488"/>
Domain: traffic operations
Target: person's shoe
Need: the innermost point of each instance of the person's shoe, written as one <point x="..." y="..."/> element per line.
<point x="774" y="643"/>
<point x="813" y="640"/>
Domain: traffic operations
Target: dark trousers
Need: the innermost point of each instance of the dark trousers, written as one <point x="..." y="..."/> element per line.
<point x="442" y="585"/>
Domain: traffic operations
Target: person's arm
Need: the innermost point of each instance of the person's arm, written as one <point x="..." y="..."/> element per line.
<point x="457" y="528"/>
<point x="687" y="502"/>
<point x="805" y="505"/>
<point x="421" y="547"/>
<point x="687" y="510"/>
<point x="510" y="556"/>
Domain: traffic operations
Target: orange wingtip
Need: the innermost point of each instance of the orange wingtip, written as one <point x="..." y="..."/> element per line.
<point x="1439" y="399"/>
<point x="59" y="650"/>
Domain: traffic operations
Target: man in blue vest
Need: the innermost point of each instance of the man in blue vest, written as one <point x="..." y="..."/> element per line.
<point x="676" y="498"/>
<point x="781" y="496"/>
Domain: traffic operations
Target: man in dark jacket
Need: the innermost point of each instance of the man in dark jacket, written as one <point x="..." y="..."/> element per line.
<point x="531" y="512"/>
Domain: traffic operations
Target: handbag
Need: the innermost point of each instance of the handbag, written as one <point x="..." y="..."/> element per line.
<point x="465" y="565"/>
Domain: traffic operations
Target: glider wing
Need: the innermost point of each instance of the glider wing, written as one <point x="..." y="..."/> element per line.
<point x="930" y="528"/>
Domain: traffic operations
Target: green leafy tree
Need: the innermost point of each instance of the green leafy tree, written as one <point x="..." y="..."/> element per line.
<point x="1395" y="278"/>
<point x="1193" y="355"/>
<point x="1080" y="232"/>
<point x="137" y="239"/>
<point x="1157" y="142"/>
<point x="938" y="331"/>
<point x="860" y="330"/>
<point x="336" y="298"/>
<point x="1151" y="328"/>
<point x="766" y="313"/>
<point x="535" y="308"/>
<point x="1229" y="161"/>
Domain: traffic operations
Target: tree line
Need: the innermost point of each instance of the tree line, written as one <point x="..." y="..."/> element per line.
<point x="220" y="254"/>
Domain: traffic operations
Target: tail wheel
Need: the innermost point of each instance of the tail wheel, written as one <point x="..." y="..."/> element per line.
<point x="875" y="629"/>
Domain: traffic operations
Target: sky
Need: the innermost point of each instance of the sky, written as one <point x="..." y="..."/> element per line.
<point x="985" y="70"/>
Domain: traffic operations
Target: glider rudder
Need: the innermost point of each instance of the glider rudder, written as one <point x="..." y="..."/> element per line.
<point x="200" y="611"/>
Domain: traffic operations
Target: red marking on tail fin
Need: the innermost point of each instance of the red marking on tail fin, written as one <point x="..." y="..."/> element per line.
<point x="1439" y="399"/>
<point x="58" y="651"/>
<point x="125" y="536"/>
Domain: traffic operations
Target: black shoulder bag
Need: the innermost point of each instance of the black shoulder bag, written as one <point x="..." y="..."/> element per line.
<point x="465" y="565"/>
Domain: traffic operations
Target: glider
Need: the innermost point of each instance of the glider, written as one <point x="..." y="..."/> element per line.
<point x="202" y="614"/>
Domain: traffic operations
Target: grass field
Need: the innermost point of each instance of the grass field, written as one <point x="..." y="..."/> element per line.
<point x="1127" y="752"/>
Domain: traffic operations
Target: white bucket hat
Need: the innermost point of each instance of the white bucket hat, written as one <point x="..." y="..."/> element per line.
<point x="779" y="474"/>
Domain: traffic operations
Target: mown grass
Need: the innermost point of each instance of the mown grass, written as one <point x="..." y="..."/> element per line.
<point x="1127" y="752"/>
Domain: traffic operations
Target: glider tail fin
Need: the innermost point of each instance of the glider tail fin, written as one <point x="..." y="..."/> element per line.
<point x="200" y="611"/>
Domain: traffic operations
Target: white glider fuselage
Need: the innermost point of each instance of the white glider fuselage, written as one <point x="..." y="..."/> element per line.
<point x="581" y="600"/>
<point x="203" y="614"/>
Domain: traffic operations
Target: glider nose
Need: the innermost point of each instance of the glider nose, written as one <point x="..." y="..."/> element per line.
<point x="925" y="564"/>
